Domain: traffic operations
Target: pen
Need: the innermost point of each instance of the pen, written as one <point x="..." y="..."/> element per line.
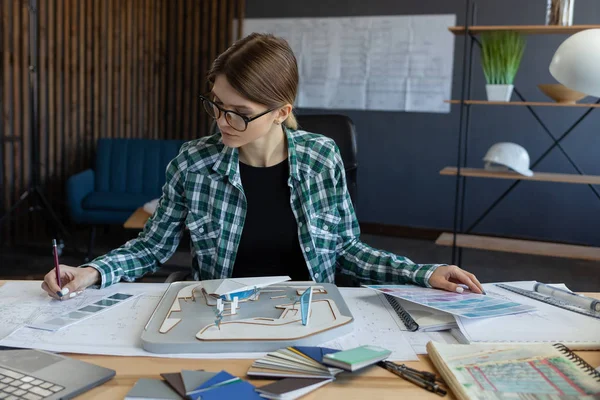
<point x="575" y="299"/>
<point x="424" y="383"/>
<point x="56" y="265"/>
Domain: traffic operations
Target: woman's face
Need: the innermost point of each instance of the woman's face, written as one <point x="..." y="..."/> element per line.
<point x="228" y="98"/>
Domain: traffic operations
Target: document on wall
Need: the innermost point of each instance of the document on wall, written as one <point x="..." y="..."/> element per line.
<point x="391" y="63"/>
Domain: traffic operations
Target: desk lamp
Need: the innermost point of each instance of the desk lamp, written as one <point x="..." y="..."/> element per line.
<point x="576" y="62"/>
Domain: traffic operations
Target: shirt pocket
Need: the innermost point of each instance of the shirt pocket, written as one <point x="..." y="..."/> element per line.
<point x="204" y="232"/>
<point x="324" y="231"/>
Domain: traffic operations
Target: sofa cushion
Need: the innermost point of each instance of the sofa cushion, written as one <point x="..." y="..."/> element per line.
<point x="115" y="201"/>
<point x="133" y="165"/>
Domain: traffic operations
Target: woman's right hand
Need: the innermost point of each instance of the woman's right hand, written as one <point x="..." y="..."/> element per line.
<point x="74" y="280"/>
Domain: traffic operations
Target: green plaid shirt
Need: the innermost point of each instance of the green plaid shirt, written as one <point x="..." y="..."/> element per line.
<point x="203" y="192"/>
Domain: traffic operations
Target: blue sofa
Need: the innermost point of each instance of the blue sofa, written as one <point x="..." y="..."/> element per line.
<point x="127" y="174"/>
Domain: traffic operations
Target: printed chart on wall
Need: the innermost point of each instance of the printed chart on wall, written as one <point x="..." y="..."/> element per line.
<point x="467" y="304"/>
<point x="391" y="63"/>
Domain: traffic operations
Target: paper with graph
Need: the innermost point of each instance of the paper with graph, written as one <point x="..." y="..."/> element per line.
<point x="467" y="304"/>
<point x="393" y="63"/>
<point x="527" y="372"/>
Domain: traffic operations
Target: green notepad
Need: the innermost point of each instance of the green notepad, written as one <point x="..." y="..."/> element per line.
<point x="357" y="358"/>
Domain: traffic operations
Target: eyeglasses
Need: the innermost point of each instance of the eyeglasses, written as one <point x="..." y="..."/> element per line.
<point x="236" y="120"/>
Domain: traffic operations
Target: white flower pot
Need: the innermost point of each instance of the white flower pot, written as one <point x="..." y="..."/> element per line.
<point x="499" y="92"/>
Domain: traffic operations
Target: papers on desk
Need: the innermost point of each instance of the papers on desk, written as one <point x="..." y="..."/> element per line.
<point x="116" y="332"/>
<point x="377" y="322"/>
<point x="373" y="323"/>
<point x="547" y="324"/>
<point x="150" y="206"/>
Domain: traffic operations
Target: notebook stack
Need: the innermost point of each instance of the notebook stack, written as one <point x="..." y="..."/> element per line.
<point x="301" y="368"/>
<point x="193" y="385"/>
<point x="291" y="388"/>
<point x="295" y="362"/>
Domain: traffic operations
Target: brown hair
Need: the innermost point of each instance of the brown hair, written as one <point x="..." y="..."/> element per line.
<point x="263" y="69"/>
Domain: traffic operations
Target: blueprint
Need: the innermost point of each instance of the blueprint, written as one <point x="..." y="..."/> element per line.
<point x="114" y="332"/>
<point x="118" y="331"/>
<point x="391" y="63"/>
<point x="374" y="322"/>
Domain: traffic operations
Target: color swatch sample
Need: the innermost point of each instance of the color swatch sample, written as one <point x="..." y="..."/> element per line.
<point x="57" y="322"/>
<point x="466" y="304"/>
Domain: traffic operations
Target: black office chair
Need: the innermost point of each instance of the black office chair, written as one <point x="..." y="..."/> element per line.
<point x="341" y="129"/>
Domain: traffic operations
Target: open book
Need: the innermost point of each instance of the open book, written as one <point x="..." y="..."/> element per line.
<point x="534" y="371"/>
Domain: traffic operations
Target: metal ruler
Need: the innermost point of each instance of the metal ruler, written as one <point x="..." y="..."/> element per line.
<point x="548" y="300"/>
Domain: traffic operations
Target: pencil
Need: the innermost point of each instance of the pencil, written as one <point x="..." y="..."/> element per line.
<point x="56" y="264"/>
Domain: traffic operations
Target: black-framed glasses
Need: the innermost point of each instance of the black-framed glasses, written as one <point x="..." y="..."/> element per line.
<point x="236" y="120"/>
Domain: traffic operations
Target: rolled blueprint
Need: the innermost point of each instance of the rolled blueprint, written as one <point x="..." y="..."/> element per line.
<point x="575" y="299"/>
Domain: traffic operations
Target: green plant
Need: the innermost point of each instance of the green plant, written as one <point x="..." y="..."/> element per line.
<point x="501" y="54"/>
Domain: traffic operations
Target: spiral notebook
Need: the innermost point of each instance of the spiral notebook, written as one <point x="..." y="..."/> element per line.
<point x="527" y="372"/>
<point x="416" y="317"/>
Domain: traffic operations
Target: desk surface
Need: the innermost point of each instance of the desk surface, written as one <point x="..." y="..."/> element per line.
<point x="137" y="220"/>
<point x="373" y="382"/>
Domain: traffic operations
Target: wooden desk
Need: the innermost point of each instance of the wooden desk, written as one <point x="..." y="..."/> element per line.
<point x="373" y="382"/>
<point x="137" y="220"/>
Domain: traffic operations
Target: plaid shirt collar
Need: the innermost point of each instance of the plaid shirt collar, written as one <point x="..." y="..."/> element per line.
<point x="227" y="162"/>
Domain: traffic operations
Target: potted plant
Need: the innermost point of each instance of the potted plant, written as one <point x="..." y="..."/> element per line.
<point x="501" y="54"/>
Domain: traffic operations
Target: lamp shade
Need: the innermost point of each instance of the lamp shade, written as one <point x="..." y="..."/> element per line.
<point x="576" y="62"/>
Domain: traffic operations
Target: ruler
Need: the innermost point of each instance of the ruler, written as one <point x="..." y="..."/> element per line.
<point x="549" y="300"/>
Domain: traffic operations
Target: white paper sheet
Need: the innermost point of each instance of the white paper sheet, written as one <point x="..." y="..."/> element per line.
<point x="418" y="340"/>
<point x="114" y="332"/>
<point x="395" y="63"/>
<point x="118" y="332"/>
<point x="547" y="324"/>
<point x="375" y="323"/>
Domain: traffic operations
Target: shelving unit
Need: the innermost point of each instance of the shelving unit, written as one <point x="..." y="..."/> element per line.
<point x="523" y="103"/>
<point x="524" y="29"/>
<point x="521" y="246"/>
<point x="538" y="176"/>
<point x="460" y="237"/>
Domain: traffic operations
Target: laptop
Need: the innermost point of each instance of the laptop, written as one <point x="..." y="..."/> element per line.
<point x="37" y="375"/>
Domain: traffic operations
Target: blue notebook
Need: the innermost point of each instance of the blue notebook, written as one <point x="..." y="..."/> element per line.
<point x="221" y="379"/>
<point x="237" y="390"/>
<point x="316" y="353"/>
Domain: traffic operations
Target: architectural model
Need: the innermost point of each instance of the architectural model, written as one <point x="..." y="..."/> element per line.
<point x="301" y="310"/>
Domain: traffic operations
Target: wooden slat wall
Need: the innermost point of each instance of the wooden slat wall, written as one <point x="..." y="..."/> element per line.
<point x="110" y="68"/>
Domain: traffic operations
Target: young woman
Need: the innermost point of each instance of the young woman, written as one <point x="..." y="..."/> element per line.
<point x="260" y="198"/>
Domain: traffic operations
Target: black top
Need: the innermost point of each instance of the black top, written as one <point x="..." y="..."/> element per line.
<point x="269" y="245"/>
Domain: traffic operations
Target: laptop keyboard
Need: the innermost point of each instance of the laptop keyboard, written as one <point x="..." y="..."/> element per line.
<point x="14" y="386"/>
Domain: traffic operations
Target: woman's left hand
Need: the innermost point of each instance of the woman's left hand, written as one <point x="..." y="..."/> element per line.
<point x="448" y="277"/>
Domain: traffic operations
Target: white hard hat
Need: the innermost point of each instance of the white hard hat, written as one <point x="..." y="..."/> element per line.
<point x="508" y="155"/>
